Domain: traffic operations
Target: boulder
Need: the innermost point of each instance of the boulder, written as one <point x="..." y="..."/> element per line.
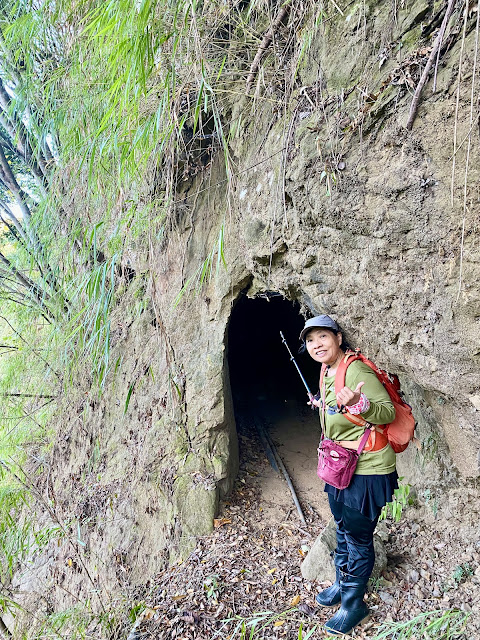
<point x="318" y="565"/>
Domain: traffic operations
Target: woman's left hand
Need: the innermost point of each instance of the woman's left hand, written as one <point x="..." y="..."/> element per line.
<point x="347" y="397"/>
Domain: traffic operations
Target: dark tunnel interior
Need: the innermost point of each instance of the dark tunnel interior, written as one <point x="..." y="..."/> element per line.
<point x="262" y="377"/>
<point x="274" y="423"/>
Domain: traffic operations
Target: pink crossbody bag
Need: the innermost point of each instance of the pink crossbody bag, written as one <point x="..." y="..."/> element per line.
<point x="336" y="464"/>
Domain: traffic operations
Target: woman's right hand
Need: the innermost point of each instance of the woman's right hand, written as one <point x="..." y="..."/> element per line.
<point x="314" y="402"/>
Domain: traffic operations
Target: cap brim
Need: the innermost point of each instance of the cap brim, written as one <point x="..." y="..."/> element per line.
<point x="316" y="326"/>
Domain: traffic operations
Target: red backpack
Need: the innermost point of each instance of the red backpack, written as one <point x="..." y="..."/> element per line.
<point x="399" y="432"/>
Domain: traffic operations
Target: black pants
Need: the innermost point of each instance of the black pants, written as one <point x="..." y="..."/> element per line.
<point x="354" y="538"/>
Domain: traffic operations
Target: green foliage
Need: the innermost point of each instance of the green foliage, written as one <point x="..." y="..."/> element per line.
<point x="255" y="626"/>
<point x="434" y="625"/>
<point x="216" y="257"/>
<point x="212" y="587"/>
<point x="307" y="36"/>
<point x="75" y="621"/>
<point x="309" y="632"/>
<point x="328" y="176"/>
<point x="23" y="417"/>
<point x="135" y="611"/>
<point x="375" y="584"/>
<point x="86" y="335"/>
<point x="129" y="101"/>
<point x="462" y="572"/>
<point x="400" y="500"/>
<point x="116" y="90"/>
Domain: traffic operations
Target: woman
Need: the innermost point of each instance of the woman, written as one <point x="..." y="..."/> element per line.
<point x="355" y="509"/>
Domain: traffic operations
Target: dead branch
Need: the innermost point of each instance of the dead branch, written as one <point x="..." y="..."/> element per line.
<point x="38" y="294"/>
<point x="25" y="395"/>
<point x="28" y="345"/>
<point x="428" y="66"/>
<point x="267" y="39"/>
<point x="20" y="138"/>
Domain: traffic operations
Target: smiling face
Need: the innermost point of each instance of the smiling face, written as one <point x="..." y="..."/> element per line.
<point x="323" y="345"/>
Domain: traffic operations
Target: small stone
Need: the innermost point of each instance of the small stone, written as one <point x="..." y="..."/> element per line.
<point x="418" y="592"/>
<point x="413" y="576"/>
<point x="382" y="532"/>
<point x="386" y="597"/>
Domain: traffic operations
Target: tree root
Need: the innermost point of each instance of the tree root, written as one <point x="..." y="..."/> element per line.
<point x="267" y="39"/>
<point x="428" y="66"/>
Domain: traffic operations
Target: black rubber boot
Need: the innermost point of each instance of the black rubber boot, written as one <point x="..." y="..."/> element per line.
<point x="331" y="596"/>
<point x="353" y="609"/>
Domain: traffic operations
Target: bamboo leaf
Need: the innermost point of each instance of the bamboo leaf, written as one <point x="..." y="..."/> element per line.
<point x="129" y="395"/>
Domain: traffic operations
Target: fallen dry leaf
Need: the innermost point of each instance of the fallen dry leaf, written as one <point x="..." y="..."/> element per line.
<point x="294" y="601"/>
<point x="219" y="522"/>
<point x="148" y="614"/>
<point x="306" y="609"/>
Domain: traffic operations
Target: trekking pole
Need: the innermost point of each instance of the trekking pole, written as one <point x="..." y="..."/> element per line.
<point x="310" y="394"/>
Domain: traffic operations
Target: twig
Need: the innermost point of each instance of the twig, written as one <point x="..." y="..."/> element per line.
<point x="267" y="39"/>
<point x="467" y="158"/>
<point x="25" y="395"/>
<point x="287" y="525"/>
<point x="426" y="71"/>
<point x="28" y="345"/>
<point x="457" y="105"/>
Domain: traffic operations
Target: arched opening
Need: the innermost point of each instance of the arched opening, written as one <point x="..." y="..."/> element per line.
<point x="267" y="390"/>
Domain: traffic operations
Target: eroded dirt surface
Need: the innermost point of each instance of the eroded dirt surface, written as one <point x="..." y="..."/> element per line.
<point x="248" y="569"/>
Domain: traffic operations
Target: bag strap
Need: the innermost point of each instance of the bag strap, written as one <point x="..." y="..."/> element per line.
<point x="322" y="406"/>
<point x="364" y="439"/>
<point x="322" y="375"/>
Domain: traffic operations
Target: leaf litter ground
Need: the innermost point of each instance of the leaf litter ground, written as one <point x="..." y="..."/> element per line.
<point x="244" y="580"/>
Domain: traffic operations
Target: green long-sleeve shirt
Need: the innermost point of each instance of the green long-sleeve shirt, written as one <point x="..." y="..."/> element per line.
<point x="381" y="411"/>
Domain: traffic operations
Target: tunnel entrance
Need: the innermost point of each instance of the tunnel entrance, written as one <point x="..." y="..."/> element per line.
<point x="267" y="391"/>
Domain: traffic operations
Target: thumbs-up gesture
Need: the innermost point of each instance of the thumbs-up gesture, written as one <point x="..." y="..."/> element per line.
<point x="347" y="397"/>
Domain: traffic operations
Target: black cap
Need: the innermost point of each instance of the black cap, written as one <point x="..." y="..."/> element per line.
<point x="320" y="322"/>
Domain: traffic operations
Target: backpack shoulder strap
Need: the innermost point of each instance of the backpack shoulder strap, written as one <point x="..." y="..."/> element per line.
<point x="348" y="358"/>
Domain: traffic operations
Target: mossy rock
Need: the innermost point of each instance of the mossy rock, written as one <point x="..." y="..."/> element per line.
<point x="196" y="501"/>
